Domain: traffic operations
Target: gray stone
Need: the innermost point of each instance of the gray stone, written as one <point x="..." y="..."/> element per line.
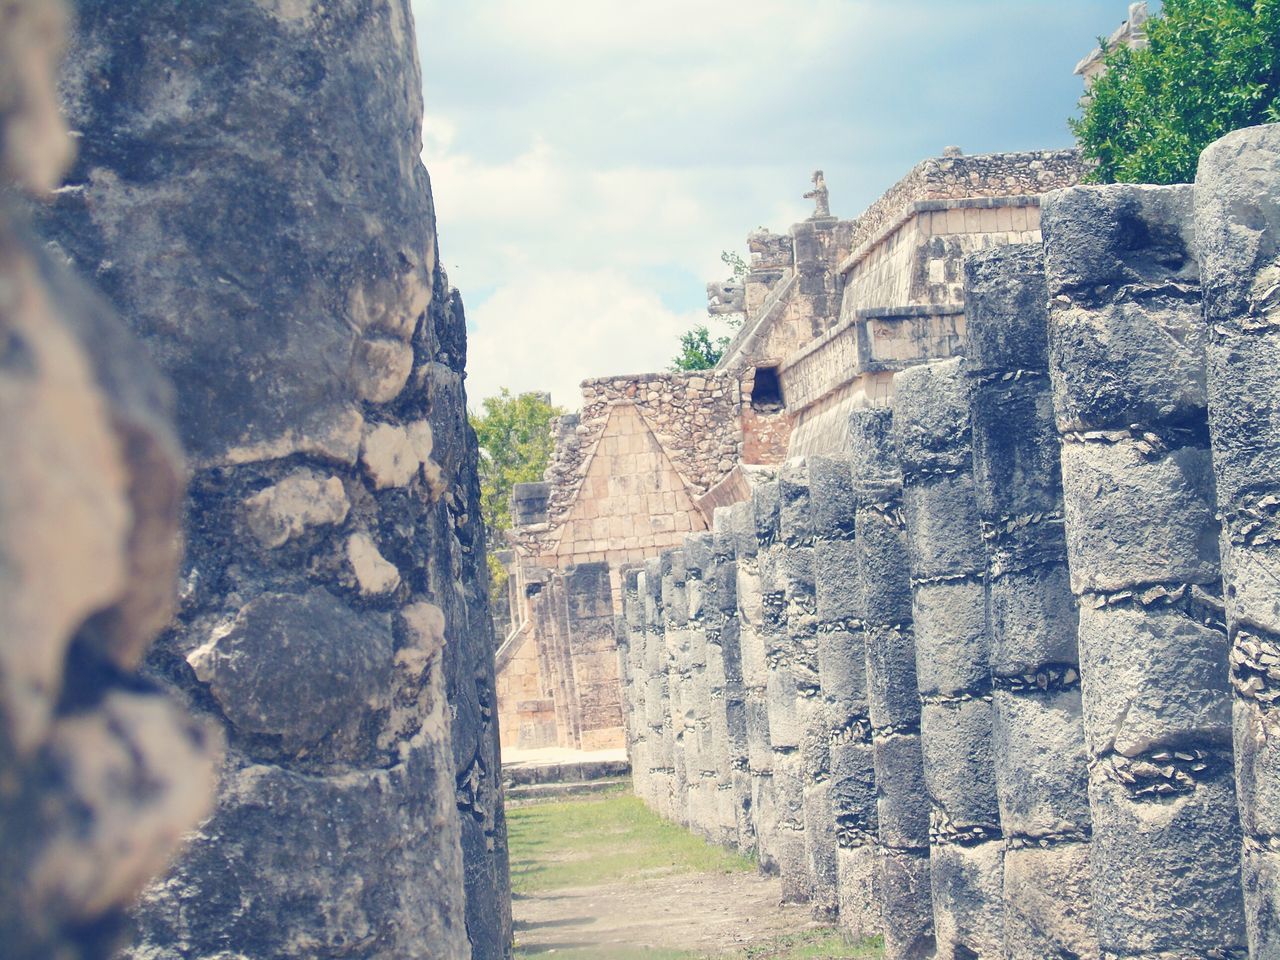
<point x="1127" y="363"/>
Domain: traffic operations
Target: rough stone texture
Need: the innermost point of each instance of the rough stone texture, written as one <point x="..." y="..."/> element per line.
<point x="893" y="702"/>
<point x="250" y="198"/>
<point x="786" y="583"/>
<point x="755" y="678"/>
<point x="702" y="761"/>
<point x="1126" y="348"/>
<point x="953" y="673"/>
<point x="661" y="737"/>
<point x="101" y="773"/>
<point x="842" y="663"/>
<point x="729" y="704"/>
<point x="796" y="530"/>
<point x="1237" y="206"/>
<point x="1038" y="743"/>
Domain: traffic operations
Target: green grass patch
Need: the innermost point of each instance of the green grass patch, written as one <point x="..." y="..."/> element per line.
<point x="814" y="945"/>
<point x="597" y="839"/>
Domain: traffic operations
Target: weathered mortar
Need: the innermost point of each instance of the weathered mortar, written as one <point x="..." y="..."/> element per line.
<point x="1126" y="353"/>
<point x="953" y="672"/>
<point x="1038" y="746"/>
<point x="893" y="700"/>
<point x="1237" y="219"/>
<point x="250" y="197"/>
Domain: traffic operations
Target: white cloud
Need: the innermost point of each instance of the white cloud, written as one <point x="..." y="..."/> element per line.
<point x="551" y="330"/>
<point x="591" y="158"/>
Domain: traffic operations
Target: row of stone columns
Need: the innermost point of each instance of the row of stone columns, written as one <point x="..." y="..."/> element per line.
<point x="970" y="682"/>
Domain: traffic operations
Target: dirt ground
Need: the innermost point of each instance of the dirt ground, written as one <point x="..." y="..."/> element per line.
<point x="690" y="914"/>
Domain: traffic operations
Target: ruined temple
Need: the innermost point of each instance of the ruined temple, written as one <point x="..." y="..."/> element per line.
<point x="833" y="309"/>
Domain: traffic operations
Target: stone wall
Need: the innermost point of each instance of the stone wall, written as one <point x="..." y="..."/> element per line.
<point x="1055" y="561"/>
<point x="249" y="197"/>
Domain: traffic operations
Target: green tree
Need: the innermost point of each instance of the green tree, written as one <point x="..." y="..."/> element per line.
<point x="1210" y="67"/>
<point x="698" y="351"/>
<point x="514" y="433"/>
<point x="734" y="261"/>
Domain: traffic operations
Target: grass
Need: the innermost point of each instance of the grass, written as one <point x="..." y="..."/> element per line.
<point x="611" y="836"/>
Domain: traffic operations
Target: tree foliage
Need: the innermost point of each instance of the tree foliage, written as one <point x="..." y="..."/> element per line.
<point x="1210" y="67"/>
<point x="698" y="351"/>
<point x="514" y="433"/>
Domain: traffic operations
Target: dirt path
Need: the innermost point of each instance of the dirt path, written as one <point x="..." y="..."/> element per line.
<point x="710" y="914"/>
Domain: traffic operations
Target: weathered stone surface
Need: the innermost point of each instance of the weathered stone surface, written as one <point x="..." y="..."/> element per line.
<point x="1127" y="363"/>
<point x="1237" y="207"/>
<point x="250" y="197"/>
<point x="931" y="431"/>
<point x="755" y="678"/>
<point x="1038" y="728"/>
<point x="893" y="701"/>
<point x="100" y="773"/>
<point x="786" y="591"/>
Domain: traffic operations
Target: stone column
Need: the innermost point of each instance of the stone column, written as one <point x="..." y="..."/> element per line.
<point x="1041" y="772"/>
<point x="842" y="677"/>
<point x="795" y="525"/>
<point x="1237" y="219"/>
<point x="755" y="678"/>
<point x="701" y="759"/>
<point x="727" y="636"/>
<point x="675" y="628"/>
<point x="258" y="212"/>
<point x="631" y="634"/>
<point x="902" y="802"/>
<point x="953" y="672"/>
<point x="785" y="672"/>
<point x="1126" y="351"/>
<point x="657" y="701"/>
<point x="1041" y="775"/>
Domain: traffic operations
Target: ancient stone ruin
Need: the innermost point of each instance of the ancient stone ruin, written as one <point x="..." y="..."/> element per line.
<point x="949" y="595"/>
<point x="1002" y="561"/>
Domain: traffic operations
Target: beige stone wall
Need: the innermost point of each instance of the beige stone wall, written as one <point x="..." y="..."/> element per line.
<point x="921" y="261"/>
<point x="526" y="711"/>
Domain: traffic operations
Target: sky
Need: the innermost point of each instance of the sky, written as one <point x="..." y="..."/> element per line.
<point x="590" y="159"/>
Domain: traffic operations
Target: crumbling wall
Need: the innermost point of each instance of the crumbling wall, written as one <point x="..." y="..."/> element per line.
<point x="101" y="772"/>
<point x="249" y="195"/>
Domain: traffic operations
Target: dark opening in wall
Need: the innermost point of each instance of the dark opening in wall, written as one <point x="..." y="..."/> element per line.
<point x="766" y="392"/>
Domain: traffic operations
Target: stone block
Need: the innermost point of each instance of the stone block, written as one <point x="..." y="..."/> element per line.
<point x="968" y="887"/>
<point x="883" y="566"/>
<point x="1001" y="285"/>
<point x="1048" y="901"/>
<point x="1153" y="677"/>
<point x="1032" y="620"/>
<point x="944" y="532"/>
<point x="931" y="430"/>
<point x="1131" y="360"/>
<point x="892" y="693"/>
<point x="903" y="799"/>
<point x="952" y="642"/>
<point x="1112" y="493"/>
<point x="956" y="740"/>
<point x="1145" y="850"/>
<point x="908" y="915"/>
<point x="1041" y="780"/>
